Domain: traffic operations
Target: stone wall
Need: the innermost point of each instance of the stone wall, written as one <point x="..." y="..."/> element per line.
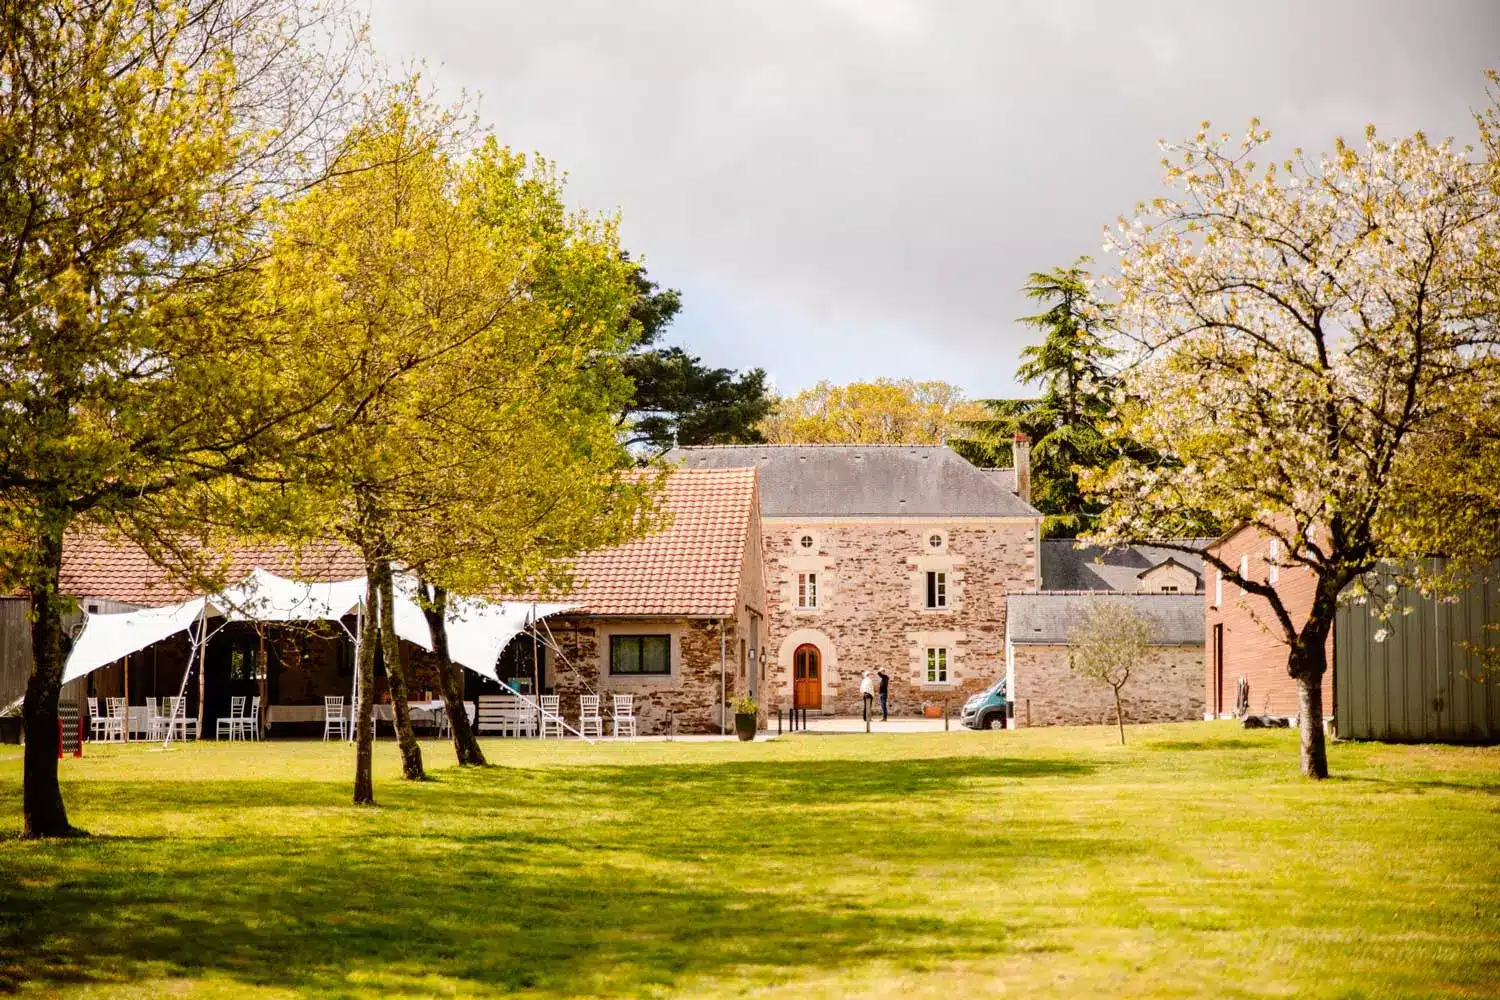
<point x="1168" y="688"/>
<point x="871" y="610"/>
<point x="689" y="696"/>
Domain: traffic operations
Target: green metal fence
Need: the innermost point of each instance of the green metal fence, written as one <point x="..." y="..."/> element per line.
<point x="1426" y="680"/>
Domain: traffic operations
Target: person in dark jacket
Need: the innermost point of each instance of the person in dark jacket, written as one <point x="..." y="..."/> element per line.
<point x="885" y="690"/>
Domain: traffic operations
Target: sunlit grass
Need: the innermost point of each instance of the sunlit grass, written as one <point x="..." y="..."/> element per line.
<point x="1193" y="862"/>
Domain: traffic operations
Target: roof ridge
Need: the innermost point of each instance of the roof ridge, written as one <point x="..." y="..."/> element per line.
<point x="809" y="444"/>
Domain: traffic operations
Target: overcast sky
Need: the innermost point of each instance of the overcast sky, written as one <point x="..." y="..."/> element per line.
<point x="848" y="189"/>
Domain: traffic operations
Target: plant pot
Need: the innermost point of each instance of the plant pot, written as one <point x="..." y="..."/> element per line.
<point x="10" y="729"/>
<point x="933" y="711"/>
<point x="744" y="725"/>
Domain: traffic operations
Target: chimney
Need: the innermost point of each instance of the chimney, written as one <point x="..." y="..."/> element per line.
<point x="1020" y="451"/>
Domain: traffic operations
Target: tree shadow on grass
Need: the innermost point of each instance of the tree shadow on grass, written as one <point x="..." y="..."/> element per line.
<point x="1416" y="784"/>
<point x="1174" y="746"/>
<point x="605" y="880"/>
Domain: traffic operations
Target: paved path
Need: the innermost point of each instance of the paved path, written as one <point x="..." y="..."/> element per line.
<point x="855" y="724"/>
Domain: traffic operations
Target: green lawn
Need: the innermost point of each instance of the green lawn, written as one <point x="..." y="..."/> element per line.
<point x="1049" y="862"/>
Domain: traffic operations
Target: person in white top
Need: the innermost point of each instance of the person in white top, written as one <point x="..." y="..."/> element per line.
<point x="867" y="688"/>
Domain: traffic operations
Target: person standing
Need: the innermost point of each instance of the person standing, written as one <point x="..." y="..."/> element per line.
<point x="867" y="689"/>
<point x="885" y="690"/>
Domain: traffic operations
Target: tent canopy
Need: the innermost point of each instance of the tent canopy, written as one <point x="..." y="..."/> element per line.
<point x="478" y="630"/>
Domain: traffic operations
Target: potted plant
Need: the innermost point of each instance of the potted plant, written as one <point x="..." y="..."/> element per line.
<point x="744" y="718"/>
<point x="933" y="709"/>
<point x="10" y="724"/>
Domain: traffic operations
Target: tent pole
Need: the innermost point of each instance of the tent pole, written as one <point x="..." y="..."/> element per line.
<point x="359" y="630"/>
<point x="125" y="723"/>
<point x="195" y="647"/>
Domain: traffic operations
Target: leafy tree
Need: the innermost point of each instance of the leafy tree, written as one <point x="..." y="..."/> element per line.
<point x="885" y="411"/>
<point x="138" y="142"/>
<point x="465" y="330"/>
<point x="677" y="399"/>
<point x="1066" y="422"/>
<point x="1109" y="643"/>
<point x="1295" y="330"/>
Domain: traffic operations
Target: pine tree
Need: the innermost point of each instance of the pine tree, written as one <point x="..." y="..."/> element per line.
<point x="1066" y="421"/>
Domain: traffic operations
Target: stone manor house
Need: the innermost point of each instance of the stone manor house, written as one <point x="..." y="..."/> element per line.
<point x="891" y="557"/>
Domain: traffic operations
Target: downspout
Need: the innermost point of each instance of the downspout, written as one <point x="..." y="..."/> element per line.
<point x="723" y="668"/>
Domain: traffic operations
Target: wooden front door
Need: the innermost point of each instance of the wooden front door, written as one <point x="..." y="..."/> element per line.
<point x="807" y="687"/>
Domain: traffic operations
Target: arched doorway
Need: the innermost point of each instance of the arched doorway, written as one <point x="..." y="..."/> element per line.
<point x="807" y="683"/>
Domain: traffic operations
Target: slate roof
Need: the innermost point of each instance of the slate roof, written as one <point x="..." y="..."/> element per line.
<point x="1065" y="567"/>
<point x="863" y="480"/>
<point x="1049" y="619"/>
<point x="693" y="568"/>
<point x="95" y="565"/>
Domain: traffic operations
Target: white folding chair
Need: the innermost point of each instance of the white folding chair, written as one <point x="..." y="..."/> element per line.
<point x="248" y="727"/>
<point x="231" y="725"/>
<point x="174" y="722"/>
<point x="98" y="718"/>
<point x="116" y="725"/>
<point x="624" y="714"/>
<point x="589" y="721"/>
<point x="552" y="723"/>
<point x="510" y="714"/>
<point x="335" y="723"/>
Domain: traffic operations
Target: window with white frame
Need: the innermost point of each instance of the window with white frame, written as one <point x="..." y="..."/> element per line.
<point x="1244" y="571"/>
<point x="935" y="541"/>
<point x="1169" y="588"/>
<point x="806" y="541"/>
<point x="807" y="590"/>
<point x="1273" y="561"/>
<point x="937" y="664"/>
<point x="1218" y="588"/>
<point x="937" y="589"/>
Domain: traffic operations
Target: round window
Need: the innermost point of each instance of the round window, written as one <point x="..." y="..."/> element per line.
<point x="936" y="541"/>
<point x="806" y="541"/>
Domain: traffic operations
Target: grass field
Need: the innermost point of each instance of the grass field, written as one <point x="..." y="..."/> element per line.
<point x="1194" y="862"/>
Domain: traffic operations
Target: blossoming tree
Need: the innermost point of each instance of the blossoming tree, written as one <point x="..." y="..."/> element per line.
<point x="1291" y="330"/>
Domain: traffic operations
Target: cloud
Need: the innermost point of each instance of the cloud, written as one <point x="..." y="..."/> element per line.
<point x="851" y="188"/>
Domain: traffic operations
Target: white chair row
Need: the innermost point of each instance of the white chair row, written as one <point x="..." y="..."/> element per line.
<point x="109" y="718"/>
<point x="591" y="723"/>
<point x="241" y="725"/>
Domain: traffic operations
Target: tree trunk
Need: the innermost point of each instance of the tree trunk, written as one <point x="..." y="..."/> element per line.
<point x="395" y="673"/>
<point x="364" y="725"/>
<point x="1120" y="716"/>
<point x="1310" y="726"/>
<point x="42" y="810"/>
<point x="1307" y="664"/>
<point x="465" y="743"/>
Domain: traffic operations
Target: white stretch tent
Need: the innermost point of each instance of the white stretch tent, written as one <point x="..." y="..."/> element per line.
<point x="107" y="638"/>
<point x="478" y="630"/>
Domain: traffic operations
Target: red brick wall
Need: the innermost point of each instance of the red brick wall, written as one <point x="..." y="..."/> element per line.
<point x="1255" y="645"/>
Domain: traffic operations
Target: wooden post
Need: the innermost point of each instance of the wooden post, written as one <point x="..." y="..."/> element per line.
<point x="945" y="715"/>
<point x="202" y="684"/>
<point x="125" y="723"/>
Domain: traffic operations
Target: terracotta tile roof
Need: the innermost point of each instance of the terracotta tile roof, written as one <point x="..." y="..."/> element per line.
<point x="95" y="565"/>
<point x="690" y="569"/>
<point x="693" y="567"/>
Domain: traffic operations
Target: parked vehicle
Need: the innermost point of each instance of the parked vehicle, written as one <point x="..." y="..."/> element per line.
<point x="988" y="709"/>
